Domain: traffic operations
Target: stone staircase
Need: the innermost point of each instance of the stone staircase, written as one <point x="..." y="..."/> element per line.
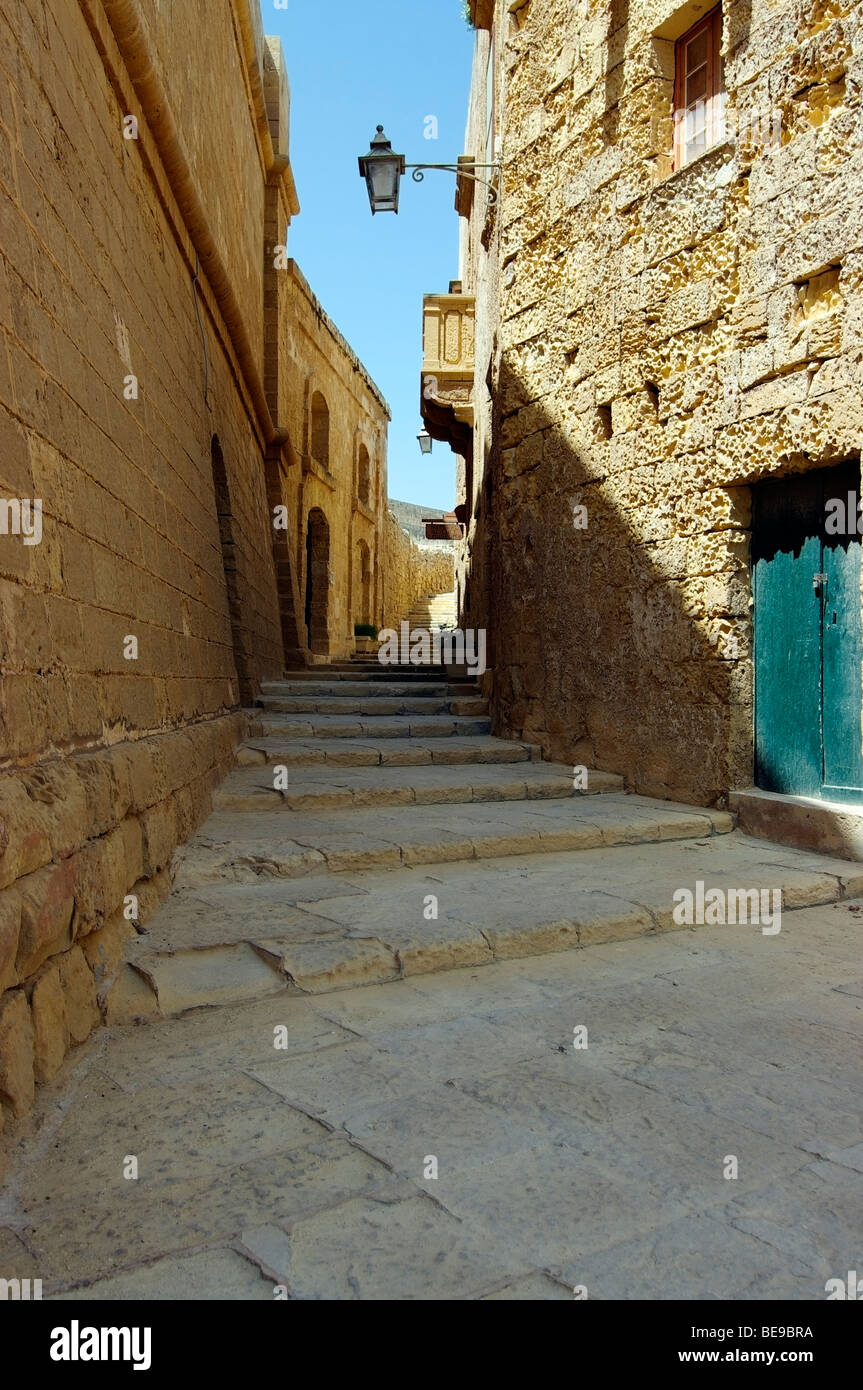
<point x="373" y="829"/>
<point x="435" y="611"/>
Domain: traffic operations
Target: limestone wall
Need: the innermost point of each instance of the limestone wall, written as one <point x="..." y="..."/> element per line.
<point x="161" y="363"/>
<point x="318" y="365"/>
<point x="199" y="50"/>
<point x="146" y="611"/>
<point x="411" y="572"/>
<point x="85" y="848"/>
<point x="664" y="340"/>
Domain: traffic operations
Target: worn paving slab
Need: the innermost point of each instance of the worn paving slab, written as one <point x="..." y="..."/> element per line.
<point x="211" y="1275"/>
<point x="238" y="1116"/>
<point x="669" y="1264"/>
<point x="189" y="1050"/>
<point x="556" y="1166"/>
<point x="406" y="1250"/>
<point x="759" y="1095"/>
<point x="226" y="974"/>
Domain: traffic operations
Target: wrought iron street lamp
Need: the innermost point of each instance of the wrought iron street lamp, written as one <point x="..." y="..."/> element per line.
<point x="425" y="440"/>
<point x="382" y="170"/>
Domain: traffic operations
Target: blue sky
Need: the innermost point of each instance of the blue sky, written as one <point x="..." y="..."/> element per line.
<point x="350" y="67"/>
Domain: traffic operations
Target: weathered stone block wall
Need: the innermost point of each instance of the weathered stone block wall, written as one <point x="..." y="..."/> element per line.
<point x="212" y="114"/>
<point x="665" y="341"/>
<point x="411" y="572"/>
<point x="85" y="849"/>
<point x="316" y="361"/>
<point x="94" y="287"/>
<point x="108" y="762"/>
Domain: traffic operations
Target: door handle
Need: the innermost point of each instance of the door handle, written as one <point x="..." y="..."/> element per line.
<point x="818" y="581"/>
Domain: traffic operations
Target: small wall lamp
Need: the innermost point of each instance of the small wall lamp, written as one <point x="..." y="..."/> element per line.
<point x="382" y="170"/>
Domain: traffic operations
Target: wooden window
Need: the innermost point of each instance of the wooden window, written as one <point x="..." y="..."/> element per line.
<point x="699" y="99"/>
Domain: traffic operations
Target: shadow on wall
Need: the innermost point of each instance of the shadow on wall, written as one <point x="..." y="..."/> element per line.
<point x="227" y="539"/>
<point x="596" y="652"/>
<point x="363" y="602"/>
<point x="293" y="639"/>
<point x="318" y="582"/>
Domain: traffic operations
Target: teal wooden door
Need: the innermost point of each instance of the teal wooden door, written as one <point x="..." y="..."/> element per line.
<point x="841" y="663"/>
<point x="808" y="637"/>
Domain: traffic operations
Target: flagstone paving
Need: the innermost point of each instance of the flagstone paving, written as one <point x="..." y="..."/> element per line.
<point x="341" y="1060"/>
<point x="303" y="1169"/>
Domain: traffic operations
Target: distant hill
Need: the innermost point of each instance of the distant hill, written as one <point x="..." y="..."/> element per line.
<point x="409" y="516"/>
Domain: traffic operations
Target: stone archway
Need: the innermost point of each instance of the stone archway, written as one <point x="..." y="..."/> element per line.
<point x="318" y="582"/>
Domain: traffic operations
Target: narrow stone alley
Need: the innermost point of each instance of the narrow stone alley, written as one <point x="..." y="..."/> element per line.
<point x="322" y="1095"/>
<point x="431" y="669"/>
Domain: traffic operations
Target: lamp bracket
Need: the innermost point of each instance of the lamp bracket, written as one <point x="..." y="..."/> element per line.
<point x="461" y="168"/>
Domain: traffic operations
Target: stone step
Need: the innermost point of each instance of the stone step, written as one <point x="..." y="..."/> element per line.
<point x="333" y="788"/>
<point x="429" y="624"/>
<point x="245" y="845"/>
<point x="399" y="670"/>
<point x="428" y="671"/>
<point x="355" y="672"/>
<point x="182" y="980"/>
<point x="367" y="725"/>
<point x="229" y="942"/>
<point x="376" y="705"/>
<point x="366" y="689"/>
<point x="422" y="617"/>
<point x="392" y="752"/>
<point x="828" y="827"/>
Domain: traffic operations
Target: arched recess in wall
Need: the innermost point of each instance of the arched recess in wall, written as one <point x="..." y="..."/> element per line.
<point x="320" y="440"/>
<point x="227" y="541"/>
<point x="364" y="476"/>
<point x="364" y="584"/>
<point x="318" y="582"/>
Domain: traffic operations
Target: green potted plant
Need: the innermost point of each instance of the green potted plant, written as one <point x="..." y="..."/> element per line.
<point x="365" y="637"/>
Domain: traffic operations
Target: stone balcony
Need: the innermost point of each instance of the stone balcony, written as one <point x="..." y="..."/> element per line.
<point x="446" y="389"/>
<point x="449" y="527"/>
